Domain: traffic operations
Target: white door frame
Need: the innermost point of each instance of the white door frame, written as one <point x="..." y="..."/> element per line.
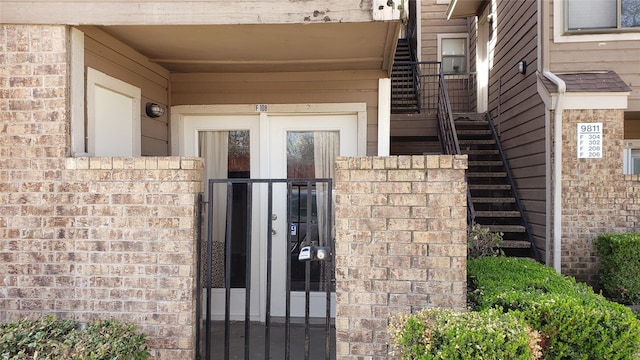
<point x="186" y="121"/>
<point x="179" y="112"/>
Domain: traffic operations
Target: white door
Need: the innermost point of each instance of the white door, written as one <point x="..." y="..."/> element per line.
<point x="113" y="116"/>
<point x="304" y="146"/>
<point x="259" y="147"/>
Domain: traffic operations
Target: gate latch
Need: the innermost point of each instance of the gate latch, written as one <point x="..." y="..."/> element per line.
<point x="314" y="253"/>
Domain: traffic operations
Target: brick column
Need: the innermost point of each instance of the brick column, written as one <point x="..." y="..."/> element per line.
<point x="596" y="197"/>
<point x="400" y="244"/>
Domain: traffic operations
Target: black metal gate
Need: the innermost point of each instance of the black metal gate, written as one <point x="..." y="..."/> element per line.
<point x="309" y="268"/>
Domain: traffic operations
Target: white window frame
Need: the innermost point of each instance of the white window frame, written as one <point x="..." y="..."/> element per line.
<point x="464" y="36"/>
<point x="561" y="35"/>
<point x="631" y="153"/>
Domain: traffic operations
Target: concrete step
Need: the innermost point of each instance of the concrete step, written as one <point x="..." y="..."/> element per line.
<point x="476" y="142"/>
<point x="506" y="228"/>
<point x="515" y="244"/>
<point x="493" y="174"/>
<point x="485" y="163"/>
<point x="489" y="200"/>
<point x="500" y="214"/>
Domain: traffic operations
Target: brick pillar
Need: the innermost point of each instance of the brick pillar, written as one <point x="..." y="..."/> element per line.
<point x="400" y="244"/>
<point x="596" y="197"/>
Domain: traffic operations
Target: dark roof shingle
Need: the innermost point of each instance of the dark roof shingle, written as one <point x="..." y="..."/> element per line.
<point x="589" y="82"/>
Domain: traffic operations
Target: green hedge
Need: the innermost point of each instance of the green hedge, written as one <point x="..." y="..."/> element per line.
<point x="574" y="322"/>
<point x="446" y="334"/>
<point x="620" y="266"/>
<point x="52" y="338"/>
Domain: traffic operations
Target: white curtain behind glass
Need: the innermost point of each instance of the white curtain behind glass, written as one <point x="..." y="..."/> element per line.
<point x="213" y="147"/>
<point x="326" y="146"/>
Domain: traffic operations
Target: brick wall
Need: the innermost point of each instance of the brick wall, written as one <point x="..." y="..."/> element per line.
<point x="88" y="238"/>
<point x="400" y="244"/>
<point x="596" y="197"/>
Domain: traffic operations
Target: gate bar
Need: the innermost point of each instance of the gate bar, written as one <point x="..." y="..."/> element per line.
<point x="247" y="292"/>
<point x="267" y="326"/>
<point x="307" y="279"/>
<point x="199" y="222"/>
<point x="287" y="311"/>
<point x="227" y="271"/>
<point x="329" y="269"/>
<point x="209" y="266"/>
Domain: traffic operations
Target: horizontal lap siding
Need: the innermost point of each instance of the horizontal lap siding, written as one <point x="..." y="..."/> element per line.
<point x="517" y="109"/>
<point x="623" y="57"/>
<point x="283" y="88"/>
<point x="115" y="59"/>
<point x="433" y="22"/>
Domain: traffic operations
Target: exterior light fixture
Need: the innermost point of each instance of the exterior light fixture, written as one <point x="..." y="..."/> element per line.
<point x="522" y="67"/>
<point x="154" y="110"/>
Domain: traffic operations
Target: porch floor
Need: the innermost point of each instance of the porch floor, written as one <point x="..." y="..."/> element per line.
<point x="317" y="335"/>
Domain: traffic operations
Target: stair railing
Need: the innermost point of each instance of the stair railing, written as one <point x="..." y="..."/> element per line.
<point x="449" y="136"/>
<point x="534" y="251"/>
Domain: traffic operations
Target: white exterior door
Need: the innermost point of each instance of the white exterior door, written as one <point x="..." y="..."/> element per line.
<point x="259" y="146"/>
<point x="294" y="153"/>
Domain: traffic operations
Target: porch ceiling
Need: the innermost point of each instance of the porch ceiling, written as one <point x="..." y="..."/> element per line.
<point x="263" y="47"/>
<point x="464" y="8"/>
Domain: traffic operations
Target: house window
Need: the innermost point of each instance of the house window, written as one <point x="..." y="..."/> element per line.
<point x="452" y="53"/>
<point x="589" y="15"/>
<point x="632" y="160"/>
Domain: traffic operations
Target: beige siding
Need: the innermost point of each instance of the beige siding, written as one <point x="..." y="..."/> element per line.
<point x="623" y="57"/>
<point x="517" y="109"/>
<point x="433" y="22"/>
<point x="283" y="88"/>
<point x="115" y="59"/>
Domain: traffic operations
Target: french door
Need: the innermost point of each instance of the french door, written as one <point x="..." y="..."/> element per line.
<point x="261" y="146"/>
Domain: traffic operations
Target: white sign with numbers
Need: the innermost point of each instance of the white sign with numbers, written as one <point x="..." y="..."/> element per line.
<point x="589" y="140"/>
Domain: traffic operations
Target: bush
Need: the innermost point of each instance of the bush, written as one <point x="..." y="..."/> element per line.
<point x="573" y="321"/>
<point x="446" y="334"/>
<point x="620" y="266"/>
<point x="482" y="242"/>
<point x="52" y="338"/>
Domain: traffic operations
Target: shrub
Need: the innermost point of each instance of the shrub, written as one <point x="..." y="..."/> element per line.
<point x="52" y="338"/>
<point x="446" y="334"/>
<point x="620" y="266"/>
<point x="573" y="321"/>
<point x="482" y="242"/>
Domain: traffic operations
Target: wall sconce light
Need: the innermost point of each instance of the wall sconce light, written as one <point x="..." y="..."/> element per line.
<point x="522" y="67"/>
<point x="154" y="110"/>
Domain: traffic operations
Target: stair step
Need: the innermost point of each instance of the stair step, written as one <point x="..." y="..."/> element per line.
<point x="490" y="200"/>
<point x="493" y="174"/>
<point x="486" y="163"/>
<point x="489" y="187"/>
<point x="506" y="228"/>
<point x="473" y="132"/>
<point x="515" y="244"/>
<point x="480" y="152"/>
<point x="470" y="116"/>
<point x="504" y="214"/>
<point x="476" y="142"/>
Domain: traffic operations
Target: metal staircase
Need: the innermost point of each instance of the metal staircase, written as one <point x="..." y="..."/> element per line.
<point x="420" y="88"/>
<point x="404" y="81"/>
<point x="492" y="192"/>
